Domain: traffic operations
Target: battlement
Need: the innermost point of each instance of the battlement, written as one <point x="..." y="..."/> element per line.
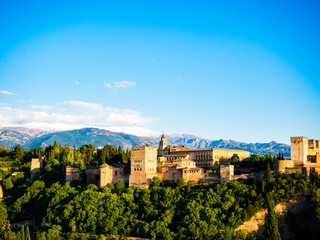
<point x="299" y="138"/>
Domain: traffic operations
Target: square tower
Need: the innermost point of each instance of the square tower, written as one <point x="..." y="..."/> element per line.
<point x="36" y="163"/>
<point x="299" y="150"/>
<point x="143" y="166"/>
<point x="163" y="142"/>
<point x="106" y="175"/>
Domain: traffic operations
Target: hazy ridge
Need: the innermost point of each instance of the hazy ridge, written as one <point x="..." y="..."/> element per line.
<point x="32" y="138"/>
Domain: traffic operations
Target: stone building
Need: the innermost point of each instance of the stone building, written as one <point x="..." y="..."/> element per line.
<point x="36" y="163"/>
<point x="100" y="175"/>
<point x="193" y="175"/>
<point x="226" y="172"/>
<point x="143" y="166"/>
<point x="178" y="162"/>
<point x="305" y="157"/>
<point x="72" y="173"/>
<point x="106" y="175"/>
<point x="113" y="173"/>
<point x="172" y="167"/>
<point x="93" y="174"/>
<point x="210" y="158"/>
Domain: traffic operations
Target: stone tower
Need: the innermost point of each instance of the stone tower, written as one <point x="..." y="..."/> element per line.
<point x="143" y="166"/>
<point x="36" y="163"/>
<point x="299" y="150"/>
<point x="106" y="175"/>
<point x="163" y="142"/>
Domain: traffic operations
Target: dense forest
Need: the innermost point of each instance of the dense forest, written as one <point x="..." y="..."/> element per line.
<point x="167" y="210"/>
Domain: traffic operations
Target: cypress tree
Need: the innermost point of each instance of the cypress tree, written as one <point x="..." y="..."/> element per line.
<point x="263" y="186"/>
<point x="28" y="237"/>
<point x="269" y="174"/>
<point x="23" y="236"/>
<point x="160" y="154"/>
<point x="188" y="189"/>
<point x="38" y="236"/>
<point x="271" y="220"/>
<point x="18" y="236"/>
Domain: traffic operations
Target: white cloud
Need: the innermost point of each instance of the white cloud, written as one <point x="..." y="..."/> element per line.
<point x="76" y="83"/>
<point x="179" y="79"/>
<point x="76" y="103"/>
<point x="122" y="84"/>
<point x="71" y="115"/>
<point x="7" y="93"/>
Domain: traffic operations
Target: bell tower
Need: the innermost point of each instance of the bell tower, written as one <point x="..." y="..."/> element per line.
<point x="163" y="142"/>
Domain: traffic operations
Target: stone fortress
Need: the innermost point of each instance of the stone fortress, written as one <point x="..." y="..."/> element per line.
<point x="177" y="162"/>
<point x="193" y="165"/>
<point x="305" y="157"/>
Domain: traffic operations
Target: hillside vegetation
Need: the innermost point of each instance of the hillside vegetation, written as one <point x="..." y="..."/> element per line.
<point x="165" y="211"/>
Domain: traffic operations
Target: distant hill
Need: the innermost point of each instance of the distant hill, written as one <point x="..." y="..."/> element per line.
<point x="97" y="137"/>
<point x="11" y="138"/>
<point x="32" y="138"/>
<point x="191" y="141"/>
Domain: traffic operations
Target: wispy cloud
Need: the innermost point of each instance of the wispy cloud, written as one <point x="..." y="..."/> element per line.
<point x="71" y="115"/>
<point x="179" y="79"/>
<point x="122" y="84"/>
<point x="7" y="93"/>
<point x="76" y="83"/>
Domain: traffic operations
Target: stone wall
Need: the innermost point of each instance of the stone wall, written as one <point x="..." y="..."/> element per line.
<point x="170" y="173"/>
<point x="226" y="172"/>
<point x="280" y="166"/>
<point x="93" y="174"/>
<point x="72" y="173"/>
<point x="193" y="175"/>
<point x="120" y="173"/>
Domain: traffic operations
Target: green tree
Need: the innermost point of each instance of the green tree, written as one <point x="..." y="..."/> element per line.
<point x="120" y="187"/>
<point x="188" y="189"/>
<point x="4" y="223"/>
<point x="180" y="183"/>
<point x="156" y="182"/>
<point x="160" y="153"/>
<point x="23" y="235"/>
<point x="18" y="152"/>
<point x="271" y="220"/>
<point x="28" y="237"/>
<point x="38" y="236"/>
<point x="235" y="159"/>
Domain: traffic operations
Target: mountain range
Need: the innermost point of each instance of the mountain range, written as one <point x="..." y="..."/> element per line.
<point x="33" y="138"/>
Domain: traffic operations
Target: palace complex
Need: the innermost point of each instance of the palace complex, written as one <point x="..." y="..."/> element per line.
<point x="177" y="162"/>
<point x="193" y="164"/>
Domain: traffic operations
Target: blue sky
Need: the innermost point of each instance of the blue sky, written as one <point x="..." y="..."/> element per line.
<point x="242" y="70"/>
